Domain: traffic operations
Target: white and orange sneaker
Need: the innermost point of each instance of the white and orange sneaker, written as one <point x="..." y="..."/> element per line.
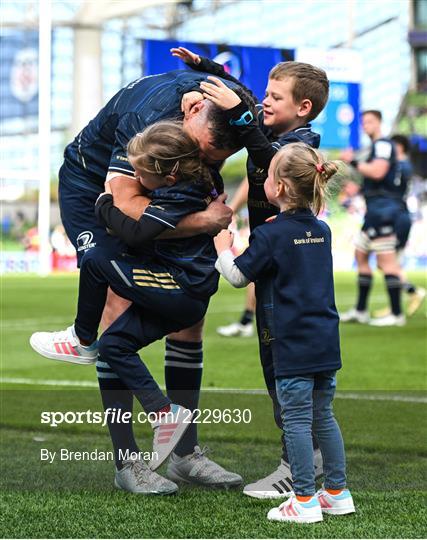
<point x="168" y="429"/>
<point x="64" y="346"/>
<point x="339" y="504"/>
<point x="297" y="511"/>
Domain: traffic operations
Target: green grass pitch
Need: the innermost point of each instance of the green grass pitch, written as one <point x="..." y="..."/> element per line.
<point x="381" y="407"/>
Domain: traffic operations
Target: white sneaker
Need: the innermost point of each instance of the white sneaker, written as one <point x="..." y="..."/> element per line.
<point x="352" y="315"/>
<point x="137" y="477"/>
<point x="389" y="320"/>
<point x="415" y="300"/>
<point x="196" y="468"/>
<point x="274" y="486"/>
<point x="336" y="504"/>
<point x="168" y="430"/>
<point x="236" y="330"/>
<point x="297" y="511"/>
<point x="64" y="346"/>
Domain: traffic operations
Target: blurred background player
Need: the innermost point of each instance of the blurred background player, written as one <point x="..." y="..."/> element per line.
<point x="244" y="327"/>
<point x="378" y="234"/>
<point x="291" y="257"/>
<point x="403" y="224"/>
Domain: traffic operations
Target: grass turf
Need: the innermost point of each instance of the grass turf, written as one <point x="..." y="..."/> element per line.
<point x="385" y="440"/>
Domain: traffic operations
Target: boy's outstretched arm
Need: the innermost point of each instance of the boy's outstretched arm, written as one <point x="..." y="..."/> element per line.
<point x="201" y="63"/>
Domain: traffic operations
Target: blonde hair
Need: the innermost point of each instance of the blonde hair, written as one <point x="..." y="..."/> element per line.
<point x="309" y="82"/>
<point x="306" y="174"/>
<point x="164" y="148"/>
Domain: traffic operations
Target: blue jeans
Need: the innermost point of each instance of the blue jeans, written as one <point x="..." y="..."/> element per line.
<point x="306" y="403"/>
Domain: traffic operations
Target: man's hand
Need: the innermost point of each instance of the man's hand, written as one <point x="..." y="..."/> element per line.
<point x="189" y="99"/>
<point x="185" y="55"/>
<point x="223" y="241"/>
<point x="218" y="215"/>
<point x="217" y="92"/>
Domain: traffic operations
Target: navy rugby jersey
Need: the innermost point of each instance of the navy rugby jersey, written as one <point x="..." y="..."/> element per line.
<point x="382" y="148"/>
<point x="383" y="197"/>
<point x="191" y="261"/>
<point x="258" y="206"/>
<point x="101" y="146"/>
<point x="291" y="260"/>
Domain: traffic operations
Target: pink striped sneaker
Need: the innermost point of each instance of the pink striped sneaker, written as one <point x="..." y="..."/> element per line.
<point x="168" y="430"/>
<point x="339" y="504"/>
<point x="297" y="511"/>
<point x="64" y="346"/>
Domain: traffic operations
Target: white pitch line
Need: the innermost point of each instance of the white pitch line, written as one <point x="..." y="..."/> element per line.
<point x="237" y="391"/>
<point x="29" y="324"/>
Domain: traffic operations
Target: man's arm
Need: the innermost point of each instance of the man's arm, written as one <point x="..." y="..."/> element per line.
<point x="129" y="196"/>
<point x="376" y="169"/>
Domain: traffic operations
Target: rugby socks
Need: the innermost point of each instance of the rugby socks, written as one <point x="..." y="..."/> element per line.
<point x="183" y="377"/>
<point x="364" y="283"/>
<point x="247" y="317"/>
<point x="116" y="395"/>
<point x="394" y="287"/>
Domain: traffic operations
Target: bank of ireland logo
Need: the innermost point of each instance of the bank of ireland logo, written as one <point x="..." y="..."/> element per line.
<point x="84" y="241"/>
<point x="308" y="234"/>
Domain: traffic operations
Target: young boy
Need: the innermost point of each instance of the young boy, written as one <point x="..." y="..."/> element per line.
<point x="296" y="94"/>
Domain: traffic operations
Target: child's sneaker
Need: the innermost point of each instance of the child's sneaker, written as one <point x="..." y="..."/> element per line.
<point x="338" y="504"/>
<point x="276" y="485"/>
<point x="297" y="511"/>
<point x="168" y="430"/>
<point x="64" y="346"/>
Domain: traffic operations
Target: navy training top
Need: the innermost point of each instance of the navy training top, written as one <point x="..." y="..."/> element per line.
<point x="290" y="258"/>
<point x="259" y="208"/>
<point x="101" y="146"/>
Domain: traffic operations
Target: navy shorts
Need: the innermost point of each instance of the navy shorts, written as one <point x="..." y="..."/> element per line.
<point x="164" y="307"/>
<point x="380" y="217"/>
<point x="77" y="206"/>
